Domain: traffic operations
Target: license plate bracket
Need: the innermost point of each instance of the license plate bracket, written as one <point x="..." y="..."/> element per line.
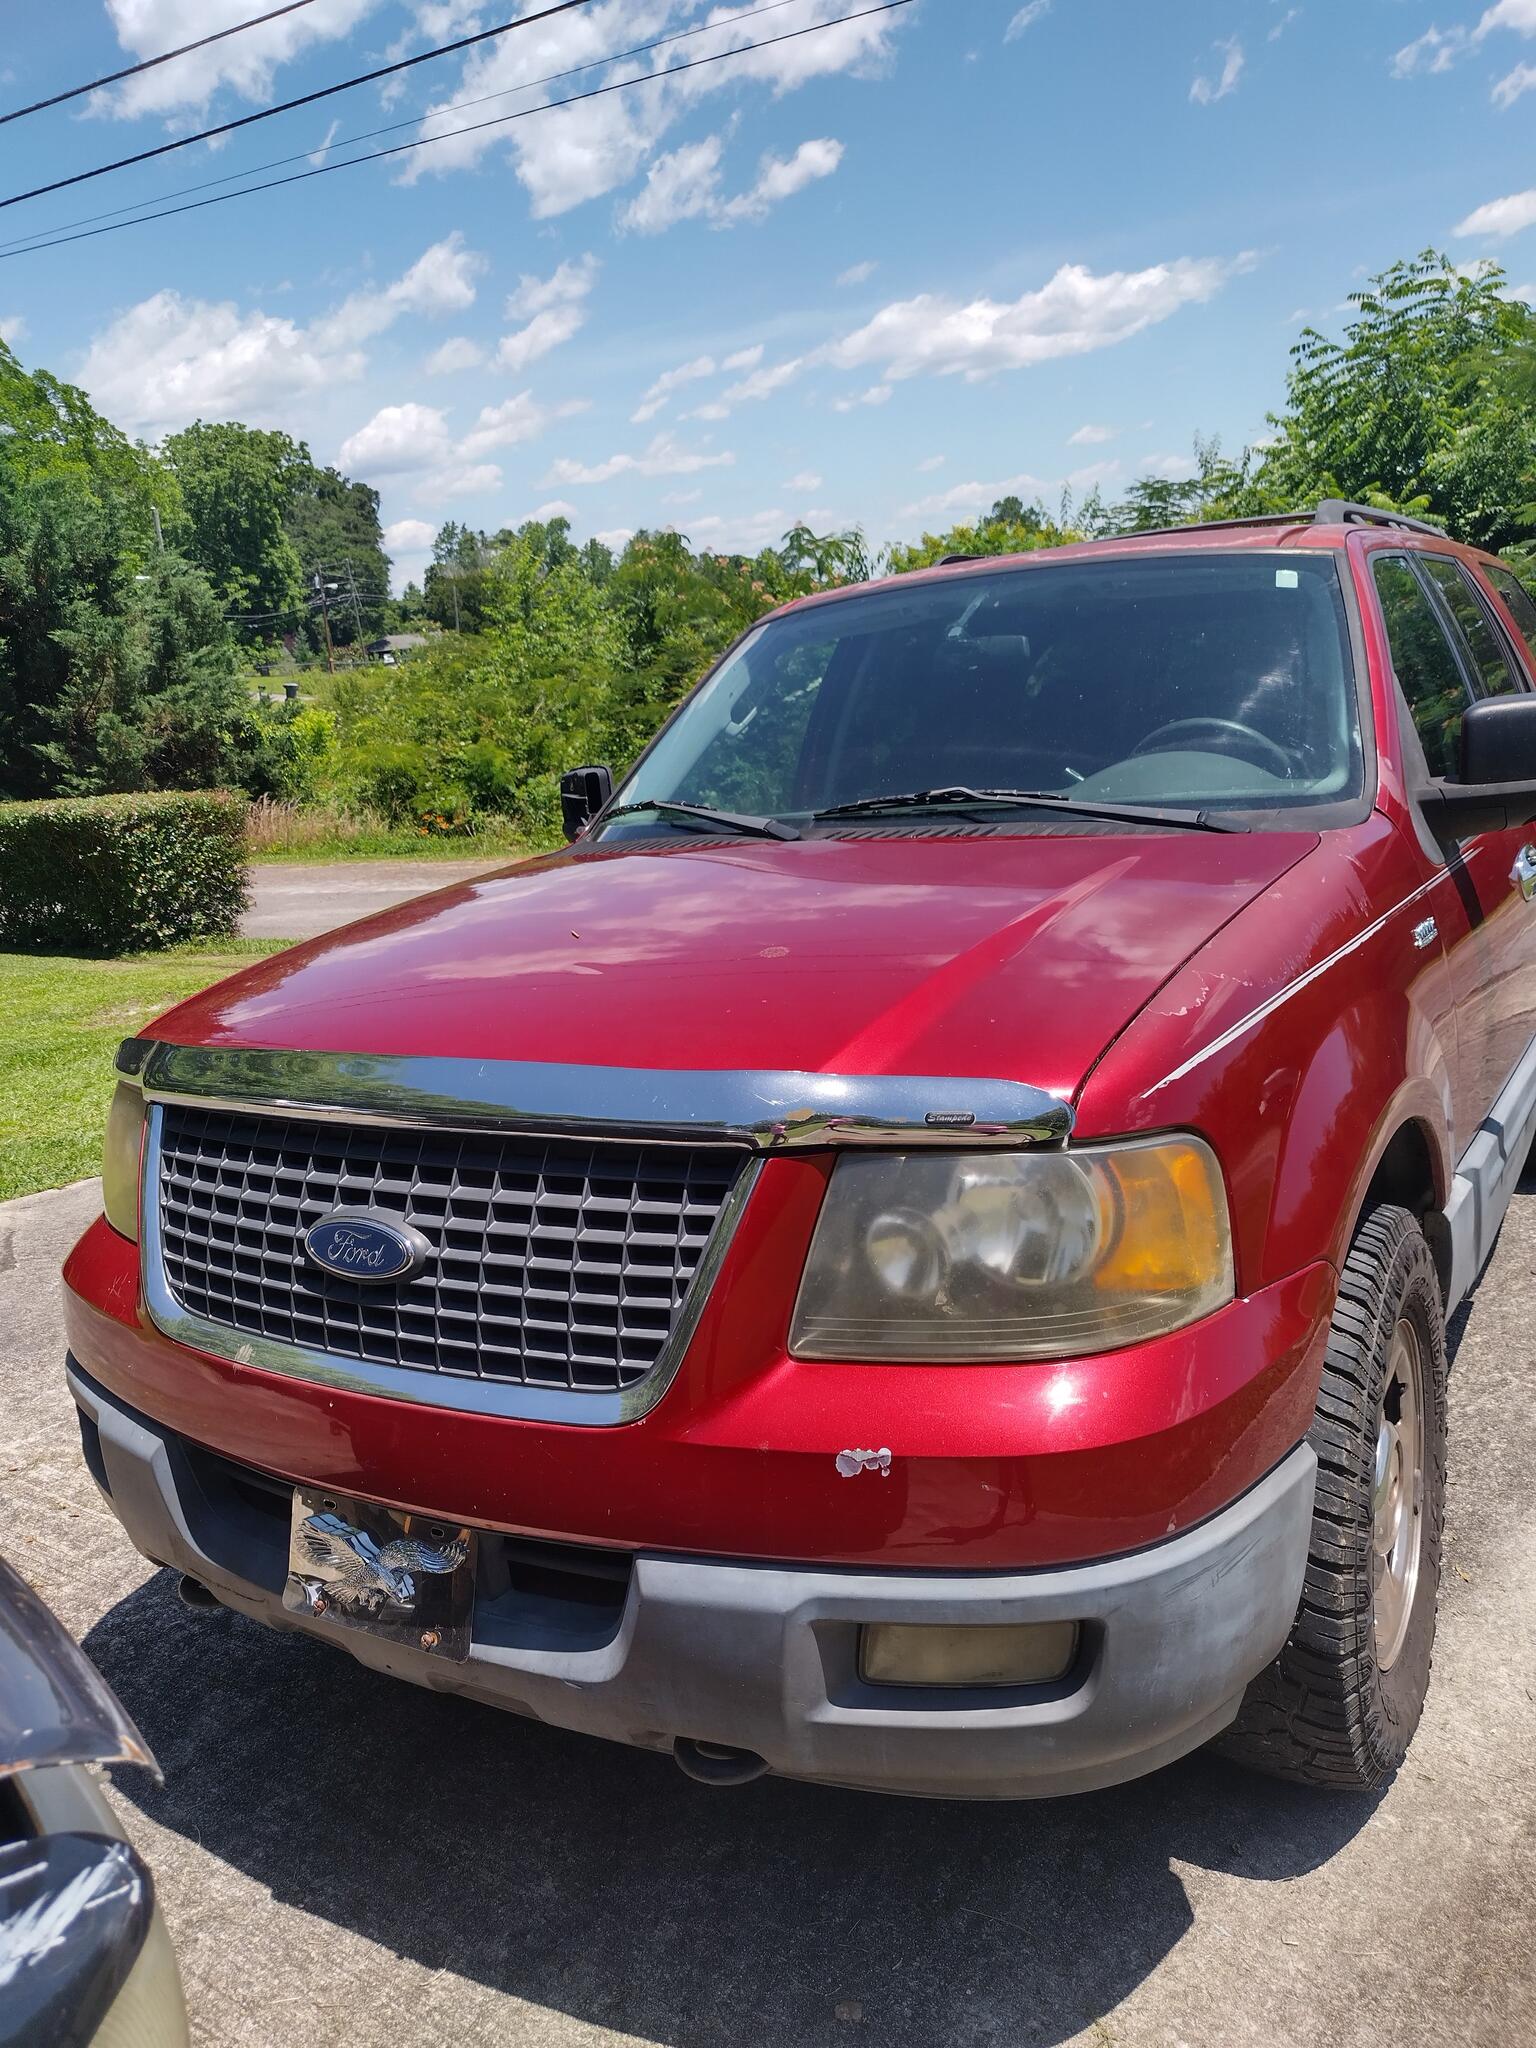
<point x="409" y="1579"/>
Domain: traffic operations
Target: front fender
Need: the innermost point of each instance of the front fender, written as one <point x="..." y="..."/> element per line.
<point x="1299" y="1041"/>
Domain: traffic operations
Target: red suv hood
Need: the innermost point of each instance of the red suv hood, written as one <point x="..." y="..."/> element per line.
<point x="1018" y="958"/>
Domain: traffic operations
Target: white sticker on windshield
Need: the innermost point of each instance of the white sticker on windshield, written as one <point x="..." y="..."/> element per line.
<point x="1287" y="579"/>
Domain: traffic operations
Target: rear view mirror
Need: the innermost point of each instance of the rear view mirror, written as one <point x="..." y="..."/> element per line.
<point x="583" y="792"/>
<point x="1496" y="788"/>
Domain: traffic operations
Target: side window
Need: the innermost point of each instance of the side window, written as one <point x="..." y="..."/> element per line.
<point x="1518" y="602"/>
<point x="1494" y="674"/>
<point x="1427" y="671"/>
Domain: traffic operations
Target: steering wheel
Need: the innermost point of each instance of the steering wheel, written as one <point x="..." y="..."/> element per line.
<point x="1268" y="750"/>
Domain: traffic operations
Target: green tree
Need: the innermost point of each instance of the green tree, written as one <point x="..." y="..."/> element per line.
<point x="334" y="526"/>
<point x="111" y="677"/>
<point x="239" y="486"/>
<point x="1425" y="405"/>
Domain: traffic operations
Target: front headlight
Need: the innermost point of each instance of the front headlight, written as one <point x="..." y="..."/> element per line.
<point x="120" y="1159"/>
<point x="964" y="1257"/>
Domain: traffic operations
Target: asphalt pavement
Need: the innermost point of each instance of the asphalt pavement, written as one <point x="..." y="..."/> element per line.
<point x="347" y="1861"/>
<point x="298" y="899"/>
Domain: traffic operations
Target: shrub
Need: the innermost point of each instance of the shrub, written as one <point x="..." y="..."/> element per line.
<point x="121" y="874"/>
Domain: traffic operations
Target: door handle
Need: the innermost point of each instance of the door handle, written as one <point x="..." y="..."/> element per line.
<point x="1523" y="873"/>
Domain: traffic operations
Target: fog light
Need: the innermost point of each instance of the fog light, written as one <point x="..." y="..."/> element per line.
<point x="929" y="1653"/>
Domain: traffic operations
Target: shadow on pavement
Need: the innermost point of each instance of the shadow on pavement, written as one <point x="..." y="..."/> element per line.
<point x="599" y="1882"/>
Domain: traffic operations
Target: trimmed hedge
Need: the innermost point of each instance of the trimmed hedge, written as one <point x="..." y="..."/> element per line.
<point x="121" y="874"/>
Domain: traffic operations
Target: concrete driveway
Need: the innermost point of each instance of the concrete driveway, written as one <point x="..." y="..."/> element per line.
<point x="298" y="899"/>
<point x="347" y="1861"/>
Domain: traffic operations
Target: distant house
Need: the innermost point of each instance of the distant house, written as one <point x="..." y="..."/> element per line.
<point x="393" y="645"/>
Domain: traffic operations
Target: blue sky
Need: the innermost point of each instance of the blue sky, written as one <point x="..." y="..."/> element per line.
<point x="879" y="274"/>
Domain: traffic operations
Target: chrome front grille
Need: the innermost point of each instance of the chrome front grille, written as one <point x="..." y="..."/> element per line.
<point x="555" y="1263"/>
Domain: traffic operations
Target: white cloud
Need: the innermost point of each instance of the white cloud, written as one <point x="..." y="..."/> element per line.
<point x="557" y="308"/>
<point x="168" y="361"/>
<point x="460" y="480"/>
<point x="779" y="178"/>
<point x="1500" y="217"/>
<point x="679" y="186"/>
<point x="960" y="499"/>
<point x="397" y="440"/>
<point x="13" y="329"/>
<point x="246" y="63"/>
<point x="685" y="185"/>
<point x="1027" y="16"/>
<point x="877" y="394"/>
<point x="554" y="508"/>
<point x="807" y="480"/>
<point x="460" y="353"/>
<point x="518" y="419"/>
<point x="408" y="536"/>
<point x="930" y="463"/>
<point x="1291" y="14"/>
<point x="1206" y="91"/>
<point x="760" y="383"/>
<point x="1173" y="467"/>
<point x="856" y="273"/>
<point x="655" y="396"/>
<point x="544" y="331"/>
<point x="1519" y="15"/>
<point x="744" y="358"/>
<point x="1075" y="312"/>
<point x="1435" y="50"/>
<point x="615" y="537"/>
<point x="741" y="533"/>
<point x="441" y="280"/>
<point x="570" y="281"/>
<point x="663" y="456"/>
<point x="1513" y="84"/>
<point x="1089" y="435"/>
<point x="680" y="498"/>
<point x="599" y="145"/>
<point x="318" y="156"/>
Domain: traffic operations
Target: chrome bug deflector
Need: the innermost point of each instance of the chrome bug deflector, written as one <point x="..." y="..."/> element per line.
<point x="764" y="1111"/>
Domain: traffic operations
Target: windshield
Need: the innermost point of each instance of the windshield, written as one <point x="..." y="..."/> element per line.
<point x="1211" y="682"/>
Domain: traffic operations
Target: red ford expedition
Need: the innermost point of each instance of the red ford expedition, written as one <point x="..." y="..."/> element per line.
<point x="916" y="1252"/>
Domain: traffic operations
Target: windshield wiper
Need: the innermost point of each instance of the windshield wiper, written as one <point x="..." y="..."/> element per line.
<point x="715" y="821"/>
<point x="959" y="797"/>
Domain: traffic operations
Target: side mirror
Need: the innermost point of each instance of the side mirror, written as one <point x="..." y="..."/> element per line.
<point x="583" y="792"/>
<point x="1496" y="788"/>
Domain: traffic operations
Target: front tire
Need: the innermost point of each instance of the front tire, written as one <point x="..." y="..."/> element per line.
<point x="1340" y="1704"/>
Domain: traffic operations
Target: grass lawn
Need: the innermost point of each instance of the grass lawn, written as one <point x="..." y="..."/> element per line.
<point x="60" y="1022"/>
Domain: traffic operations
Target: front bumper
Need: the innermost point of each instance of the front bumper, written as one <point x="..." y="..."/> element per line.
<point x="764" y="1657"/>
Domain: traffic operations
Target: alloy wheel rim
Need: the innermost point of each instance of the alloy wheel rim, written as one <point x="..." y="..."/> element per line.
<point x="1397" y="1494"/>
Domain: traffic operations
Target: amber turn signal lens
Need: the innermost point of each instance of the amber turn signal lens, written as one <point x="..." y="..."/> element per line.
<point x="931" y="1653"/>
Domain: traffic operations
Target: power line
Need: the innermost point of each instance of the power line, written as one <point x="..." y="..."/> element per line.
<point x="277" y="163"/>
<point x="475" y="127"/>
<point x="149" y="63"/>
<point x="307" y="99"/>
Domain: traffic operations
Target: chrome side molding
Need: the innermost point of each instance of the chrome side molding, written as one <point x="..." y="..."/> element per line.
<point x="762" y="1111"/>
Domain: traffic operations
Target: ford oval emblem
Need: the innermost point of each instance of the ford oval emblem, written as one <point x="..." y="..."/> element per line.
<point x="354" y="1244"/>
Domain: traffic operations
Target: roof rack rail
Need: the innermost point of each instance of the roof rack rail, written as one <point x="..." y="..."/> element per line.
<point x="1214" y="525"/>
<point x="1343" y="512"/>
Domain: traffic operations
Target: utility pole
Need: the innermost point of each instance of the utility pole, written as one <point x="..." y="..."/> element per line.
<point x="154" y="513"/>
<point x="357" y="610"/>
<point x="325" y="612"/>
